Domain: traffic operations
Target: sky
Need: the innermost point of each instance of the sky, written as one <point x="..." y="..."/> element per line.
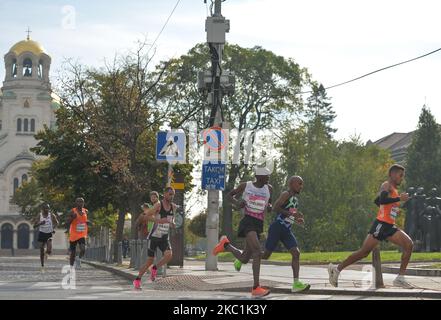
<point x="335" y="40"/>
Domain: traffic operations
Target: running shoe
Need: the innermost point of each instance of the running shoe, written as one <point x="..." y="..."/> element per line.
<point x="401" y="282"/>
<point x="137" y="283"/>
<point x="333" y="275"/>
<point x="237" y="265"/>
<point x="220" y="247"/>
<point x="153" y="273"/>
<point x="298" y="286"/>
<point x="260" y="292"/>
<point x="42" y="270"/>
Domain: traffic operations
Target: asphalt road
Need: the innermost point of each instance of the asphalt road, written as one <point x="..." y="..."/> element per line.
<point x="21" y="279"/>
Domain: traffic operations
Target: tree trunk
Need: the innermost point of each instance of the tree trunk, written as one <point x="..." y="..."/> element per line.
<point x="119" y="232"/>
<point x="227" y="208"/>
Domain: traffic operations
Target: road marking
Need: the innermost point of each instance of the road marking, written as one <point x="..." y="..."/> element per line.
<point x="105" y="288"/>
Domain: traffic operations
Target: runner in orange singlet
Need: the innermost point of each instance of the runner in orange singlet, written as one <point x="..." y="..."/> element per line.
<point x="384" y="228"/>
<point x="78" y="231"/>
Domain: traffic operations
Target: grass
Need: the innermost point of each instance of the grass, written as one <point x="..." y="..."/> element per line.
<point x="326" y="257"/>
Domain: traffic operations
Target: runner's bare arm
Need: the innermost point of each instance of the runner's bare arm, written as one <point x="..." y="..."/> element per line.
<point x="36" y="221"/>
<point x="279" y="203"/>
<point x="54" y="220"/>
<point x="269" y="208"/>
<point x="233" y="194"/>
<point x="70" y="217"/>
<point x="152" y="212"/>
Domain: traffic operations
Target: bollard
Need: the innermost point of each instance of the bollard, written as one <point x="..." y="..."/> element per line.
<point x="377" y="275"/>
<point x="119" y="255"/>
<point x="138" y="254"/>
<point x="132" y="253"/>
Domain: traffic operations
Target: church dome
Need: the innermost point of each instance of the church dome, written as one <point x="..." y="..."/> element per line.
<point x="27" y="46"/>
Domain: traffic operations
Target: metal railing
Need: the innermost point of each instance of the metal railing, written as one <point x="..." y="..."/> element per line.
<point x="137" y="250"/>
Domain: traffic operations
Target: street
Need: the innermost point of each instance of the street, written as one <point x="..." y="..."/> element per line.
<point x="21" y="279"/>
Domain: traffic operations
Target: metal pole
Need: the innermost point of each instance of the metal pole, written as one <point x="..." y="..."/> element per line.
<point x="212" y="224"/>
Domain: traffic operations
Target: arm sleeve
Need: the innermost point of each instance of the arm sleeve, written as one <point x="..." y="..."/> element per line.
<point x="384" y="199"/>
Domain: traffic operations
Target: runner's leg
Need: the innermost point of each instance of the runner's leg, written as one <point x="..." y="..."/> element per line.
<point x="254" y="246"/>
<point x="369" y="244"/>
<point x="73" y="249"/>
<point x="145" y="267"/>
<point x="243" y="256"/>
<point x="295" y="262"/>
<point x="166" y="257"/>
<point x="401" y="239"/>
<point x="49" y="246"/>
<point x="42" y="253"/>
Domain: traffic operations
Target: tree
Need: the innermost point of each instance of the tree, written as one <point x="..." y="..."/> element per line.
<point x="319" y="111"/>
<point x="266" y="93"/>
<point x="424" y="153"/>
<point x="197" y="225"/>
<point x="106" y="130"/>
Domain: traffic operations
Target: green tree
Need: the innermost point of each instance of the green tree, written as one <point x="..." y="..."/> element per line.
<point x="104" y="143"/>
<point x="424" y="153"/>
<point x="197" y="225"/>
<point x="266" y="93"/>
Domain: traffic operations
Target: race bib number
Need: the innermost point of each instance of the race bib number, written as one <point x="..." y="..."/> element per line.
<point x="256" y="204"/>
<point x="290" y="219"/>
<point x="394" y="212"/>
<point x="81" y="227"/>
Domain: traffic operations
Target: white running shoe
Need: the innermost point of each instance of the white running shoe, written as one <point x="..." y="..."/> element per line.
<point x="333" y="275"/>
<point x="401" y="282"/>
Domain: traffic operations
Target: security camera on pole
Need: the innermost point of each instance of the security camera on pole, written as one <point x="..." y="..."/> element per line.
<point x="215" y="82"/>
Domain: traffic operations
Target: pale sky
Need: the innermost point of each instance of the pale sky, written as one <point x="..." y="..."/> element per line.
<point x="336" y="40"/>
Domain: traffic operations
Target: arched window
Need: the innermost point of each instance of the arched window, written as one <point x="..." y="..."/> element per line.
<point x="23" y="236"/>
<point x="15" y="185"/>
<point x="25" y="125"/>
<point x="24" y="178"/>
<point x="40" y="69"/>
<point x="6" y="236"/>
<point x="32" y="125"/>
<point x="27" y="67"/>
<point x="14" y="68"/>
<point x="18" y="125"/>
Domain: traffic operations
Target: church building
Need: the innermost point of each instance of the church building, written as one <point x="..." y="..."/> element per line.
<point x="27" y="103"/>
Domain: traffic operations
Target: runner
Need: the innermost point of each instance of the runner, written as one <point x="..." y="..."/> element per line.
<point x="383" y="228"/>
<point x="142" y="223"/>
<point x="78" y="231"/>
<point x="256" y="199"/>
<point x="162" y="215"/>
<point x="280" y="230"/>
<point x="46" y="222"/>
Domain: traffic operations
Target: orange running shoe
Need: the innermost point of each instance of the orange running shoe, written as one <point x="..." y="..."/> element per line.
<point x="260" y="292"/>
<point x="220" y="247"/>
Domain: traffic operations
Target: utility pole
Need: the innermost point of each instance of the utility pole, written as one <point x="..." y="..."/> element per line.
<point x="216" y="27"/>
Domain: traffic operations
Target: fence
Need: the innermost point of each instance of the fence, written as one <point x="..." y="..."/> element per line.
<point x="138" y="254"/>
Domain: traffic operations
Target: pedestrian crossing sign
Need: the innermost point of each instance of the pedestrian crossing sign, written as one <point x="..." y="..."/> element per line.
<point x="171" y="146"/>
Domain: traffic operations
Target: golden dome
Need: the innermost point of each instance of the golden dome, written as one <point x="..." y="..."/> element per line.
<point x="27" y="46"/>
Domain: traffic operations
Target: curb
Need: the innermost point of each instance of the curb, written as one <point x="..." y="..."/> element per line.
<point x="122" y="273"/>
<point x="348" y="292"/>
<point x="341" y="292"/>
<point x="414" y="271"/>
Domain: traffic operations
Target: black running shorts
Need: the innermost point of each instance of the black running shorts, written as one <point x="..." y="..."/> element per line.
<point x="382" y="230"/>
<point x="44" y="237"/>
<point x="73" y="244"/>
<point x="248" y="224"/>
<point x="162" y="243"/>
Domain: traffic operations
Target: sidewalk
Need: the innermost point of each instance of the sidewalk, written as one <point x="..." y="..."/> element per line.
<point x="279" y="278"/>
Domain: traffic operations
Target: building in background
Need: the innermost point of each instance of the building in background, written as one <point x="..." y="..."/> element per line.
<point x="26" y="105"/>
<point x="397" y="143"/>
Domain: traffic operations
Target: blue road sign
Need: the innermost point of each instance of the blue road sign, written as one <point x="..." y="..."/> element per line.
<point x="213" y="176"/>
<point x="170" y="146"/>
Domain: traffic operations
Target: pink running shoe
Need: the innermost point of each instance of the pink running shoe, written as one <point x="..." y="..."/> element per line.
<point x="137" y="283"/>
<point x="153" y="273"/>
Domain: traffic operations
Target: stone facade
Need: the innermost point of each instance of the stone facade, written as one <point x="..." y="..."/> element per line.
<point x="26" y="105"/>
